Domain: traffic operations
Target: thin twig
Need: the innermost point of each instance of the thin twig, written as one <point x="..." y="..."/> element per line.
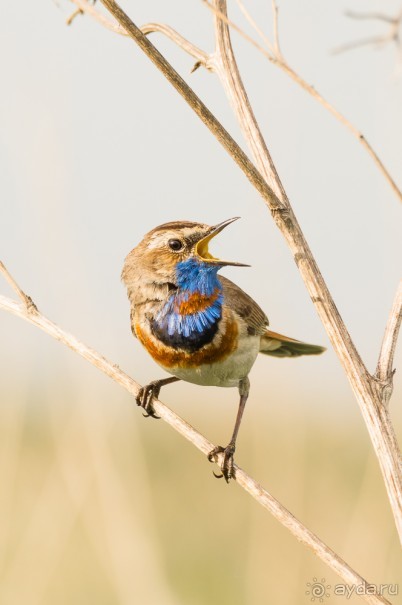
<point x="73" y="15"/>
<point x="85" y="7"/>
<point x="89" y="9"/>
<point x="364" y="386"/>
<point x="374" y="412"/>
<point x="26" y="300"/>
<point x="275" y="11"/>
<point x="255" y="26"/>
<point x="385" y="372"/>
<point x="280" y="62"/>
<point x="206" y="116"/>
<point x="370" y="16"/>
<point x="190" y="48"/>
<point x="262" y="496"/>
<point x="372" y="41"/>
<point x="392" y="35"/>
<point x="274" y="56"/>
<point x="226" y="69"/>
<point x="238" y="29"/>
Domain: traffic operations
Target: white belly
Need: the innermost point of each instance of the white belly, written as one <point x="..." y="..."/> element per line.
<point x="225" y="373"/>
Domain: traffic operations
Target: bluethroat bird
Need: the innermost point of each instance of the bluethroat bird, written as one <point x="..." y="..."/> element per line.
<point x="198" y="326"/>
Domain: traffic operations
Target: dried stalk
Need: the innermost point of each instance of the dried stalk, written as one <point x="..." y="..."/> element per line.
<point x="385" y="372"/>
<point x="277" y="58"/>
<point x="371" y="399"/>
<point x="85" y="8"/>
<point x="370" y="393"/>
<point x="392" y="35"/>
<point x="28" y="311"/>
<point x="273" y="54"/>
<point x="365" y="387"/>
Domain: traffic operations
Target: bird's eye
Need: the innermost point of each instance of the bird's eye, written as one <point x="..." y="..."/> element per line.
<point x="175" y="244"/>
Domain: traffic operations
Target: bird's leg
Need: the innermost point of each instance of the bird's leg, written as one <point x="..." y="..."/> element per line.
<point x="228" y="451"/>
<point x="151" y="391"/>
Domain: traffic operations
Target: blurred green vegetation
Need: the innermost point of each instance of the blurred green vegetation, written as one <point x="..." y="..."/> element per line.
<point x="102" y="506"/>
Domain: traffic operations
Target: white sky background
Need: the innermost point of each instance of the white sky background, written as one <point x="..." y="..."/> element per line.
<point x="96" y="149"/>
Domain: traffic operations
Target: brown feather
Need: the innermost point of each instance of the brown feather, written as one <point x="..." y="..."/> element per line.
<point x="279" y="345"/>
<point x="242" y="304"/>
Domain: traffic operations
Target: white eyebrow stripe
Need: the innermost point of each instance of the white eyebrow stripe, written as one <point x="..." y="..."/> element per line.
<point x="158" y="239"/>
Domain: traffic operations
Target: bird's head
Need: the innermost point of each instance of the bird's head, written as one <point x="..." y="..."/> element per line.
<point x="175" y="253"/>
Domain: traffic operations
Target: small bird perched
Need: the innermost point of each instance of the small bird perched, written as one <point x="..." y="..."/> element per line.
<point x="198" y="326"/>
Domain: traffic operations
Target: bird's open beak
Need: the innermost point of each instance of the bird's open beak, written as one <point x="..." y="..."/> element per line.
<point x="201" y="247"/>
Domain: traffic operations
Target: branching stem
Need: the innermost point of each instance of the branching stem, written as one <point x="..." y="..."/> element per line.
<point x="369" y="390"/>
<point x="363" y="384"/>
<point x="276" y="58"/>
<point x="262" y="496"/>
<point x="385" y="372"/>
<point x="272" y="52"/>
<point x="372" y="399"/>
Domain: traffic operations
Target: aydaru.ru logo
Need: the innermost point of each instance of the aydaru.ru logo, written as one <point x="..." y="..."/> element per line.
<point x="317" y="590"/>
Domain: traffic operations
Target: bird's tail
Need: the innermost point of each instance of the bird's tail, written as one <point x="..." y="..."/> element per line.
<point x="278" y="345"/>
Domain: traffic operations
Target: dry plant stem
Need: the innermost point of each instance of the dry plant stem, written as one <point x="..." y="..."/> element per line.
<point x="84" y="7"/>
<point x="195" y="103"/>
<point x="341" y="118"/>
<point x="273" y="55"/>
<point x="391" y="36"/>
<point x="226" y="68"/>
<point x="255" y="26"/>
<point x="278" y="60"/>
<point x="365" y="387"/>
<point x="90" y="10"/>
<point x="264" y="498"/>
<point x="370" y="16"/>
<point x="275" y="12"/>
<point x="75" y="14"/>
<point x="31" y="307"/>
<point x="368" y="392"/>
<point x="385" y="372"/>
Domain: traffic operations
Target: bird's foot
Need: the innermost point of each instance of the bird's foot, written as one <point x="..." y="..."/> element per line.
<point x="227" y="466"/>
<point x="145" y="397"/>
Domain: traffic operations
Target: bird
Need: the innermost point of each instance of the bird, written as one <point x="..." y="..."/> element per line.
<point x="198" y="326"/>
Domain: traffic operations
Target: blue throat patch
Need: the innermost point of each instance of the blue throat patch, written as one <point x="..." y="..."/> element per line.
<point x="196" y="281"/>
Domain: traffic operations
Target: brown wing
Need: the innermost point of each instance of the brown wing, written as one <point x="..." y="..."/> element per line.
<point x="278" y="345"/>
<point x="244" y="306"/>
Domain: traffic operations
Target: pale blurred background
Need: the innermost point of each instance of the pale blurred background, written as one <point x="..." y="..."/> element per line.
<point x="99" y="505"/>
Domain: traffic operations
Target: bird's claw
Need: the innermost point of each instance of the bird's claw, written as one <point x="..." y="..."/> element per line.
<point x="145" y="397"/>
<point x="227" y="466"/>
